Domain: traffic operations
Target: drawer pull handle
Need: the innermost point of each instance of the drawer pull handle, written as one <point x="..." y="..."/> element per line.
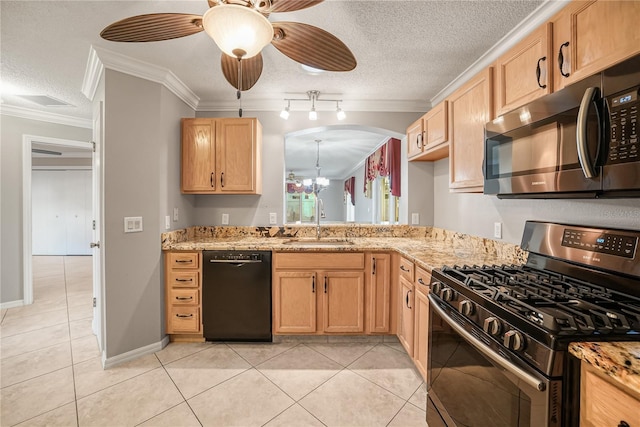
<point x="623" y="424"/>
<point x="184" y="261"/>
<point x="404" y="269"/>
<point x="184" y="280"/>
<point x="421" y="281"/>
<point x="184" y="298"/>
<point x="184" y="315"/>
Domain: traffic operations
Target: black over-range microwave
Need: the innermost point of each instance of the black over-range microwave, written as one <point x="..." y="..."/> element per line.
<point x="579" y="142"/>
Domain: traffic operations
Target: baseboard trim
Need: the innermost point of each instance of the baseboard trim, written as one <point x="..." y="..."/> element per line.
<point x="11" y="304"/>
<point x="109" y="362"/>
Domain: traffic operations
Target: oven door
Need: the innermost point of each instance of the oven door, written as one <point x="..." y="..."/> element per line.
<point x="472" y="382"/>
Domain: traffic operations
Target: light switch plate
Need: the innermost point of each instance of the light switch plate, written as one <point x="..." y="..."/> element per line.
<point x="175" y="214"/>
<point x="167" y="222"/>
<point x="132" y="224"/>
<point x="497" y="230"/>
<point x="273" y="218"/>
<point x="225" y="219"/>
<point x="415" y="218"/>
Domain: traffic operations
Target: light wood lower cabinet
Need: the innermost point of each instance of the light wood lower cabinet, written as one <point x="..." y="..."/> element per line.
<point x="318" y="293"/>
<point x="183" y="288"/>
<point x="421" y="321"/>
<point x="605" y="404"/>
<point x="406" y="324"/>
<point x="379" y="291"/>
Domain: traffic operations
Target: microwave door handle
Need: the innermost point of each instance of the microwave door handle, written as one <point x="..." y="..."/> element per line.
<point x="588" y="99"/>
<point x="482" y="348"/>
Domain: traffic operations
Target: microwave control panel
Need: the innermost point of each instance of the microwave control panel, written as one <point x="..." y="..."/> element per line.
<point x="623" y="107"/>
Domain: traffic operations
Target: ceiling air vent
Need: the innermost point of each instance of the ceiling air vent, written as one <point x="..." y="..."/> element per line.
<point x="45" y="101"/>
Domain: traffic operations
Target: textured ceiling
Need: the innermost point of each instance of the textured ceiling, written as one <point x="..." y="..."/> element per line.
<point x="406" y="50"/>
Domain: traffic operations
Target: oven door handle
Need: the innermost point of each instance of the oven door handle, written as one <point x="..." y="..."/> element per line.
<point x="479" y="345"/>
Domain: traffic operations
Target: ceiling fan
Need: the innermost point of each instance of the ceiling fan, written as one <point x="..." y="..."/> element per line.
<point x="241" y="30"/>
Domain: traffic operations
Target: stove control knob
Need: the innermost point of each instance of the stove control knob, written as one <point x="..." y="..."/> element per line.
<point x="447" y="294"/>
<point x="492" y="326"/>
<point x="467" y="308"/>
<point x="436" y="288"/>
<point x="514" y="340"/>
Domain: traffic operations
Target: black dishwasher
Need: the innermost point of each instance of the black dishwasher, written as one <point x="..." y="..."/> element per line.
<point x="236" y="295"/>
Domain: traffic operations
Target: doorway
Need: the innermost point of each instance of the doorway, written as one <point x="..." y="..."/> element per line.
<point x="67" y="169"/>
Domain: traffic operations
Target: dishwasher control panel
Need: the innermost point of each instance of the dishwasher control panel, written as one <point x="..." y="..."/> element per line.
<point x="235" y="256"/>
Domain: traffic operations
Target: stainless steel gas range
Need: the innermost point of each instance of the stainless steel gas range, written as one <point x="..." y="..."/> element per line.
<point x="499" y="334"/>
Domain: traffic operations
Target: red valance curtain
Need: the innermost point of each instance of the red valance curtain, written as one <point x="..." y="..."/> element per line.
<point x="350" y="188"/>
<point x="384" y="162"/>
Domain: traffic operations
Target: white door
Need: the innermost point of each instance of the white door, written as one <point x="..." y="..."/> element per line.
<point x="96" y="245"/>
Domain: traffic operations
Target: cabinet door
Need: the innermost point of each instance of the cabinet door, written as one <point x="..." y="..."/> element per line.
<point x="470" y="108"/>
<point x="523" y="73"/>
<point x="436" y="145"/>
<point x="379" y="293"/>
<point x="415" y="135"/>
<point x="198" y="156"/>
<point x="343" y="301"/>
<point x="421" y="329"/>
<point x="294" y="302"/>
<point x="406" y="317"/>
<point x="236" y="155"/>
<point x="589" y="36"/>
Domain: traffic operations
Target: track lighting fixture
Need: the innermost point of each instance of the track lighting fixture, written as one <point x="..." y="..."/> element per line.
<point x="313" y="96"/>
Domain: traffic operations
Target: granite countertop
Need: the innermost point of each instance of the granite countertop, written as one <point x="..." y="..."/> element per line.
<point x="620" y="361"/>
<point x="430" y="249"/>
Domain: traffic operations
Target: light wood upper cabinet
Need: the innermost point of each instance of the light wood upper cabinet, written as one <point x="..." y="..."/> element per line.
<point x="379" y="291"/>
<point x="589" y="36"/>
<point x="524" y="72"/>
<point x="221" y="156"/>
<point x="470" y="108"/>
<point x="603" y="404"/>
<point x="415" y="138"/>
<point x="427" y="137"/>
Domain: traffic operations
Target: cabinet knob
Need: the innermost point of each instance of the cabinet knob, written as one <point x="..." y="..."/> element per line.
<point x="623" y="424"/>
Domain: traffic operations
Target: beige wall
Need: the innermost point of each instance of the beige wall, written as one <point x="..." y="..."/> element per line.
<point x="12" y="130"/>
<point x="141" y="164"/>
<point x="476" y="213"/>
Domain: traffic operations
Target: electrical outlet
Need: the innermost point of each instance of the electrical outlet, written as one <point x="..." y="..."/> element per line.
<point x="273" y="218"/>
<point x="175" y="214"/>
<point x="167" y="222"/>
<point x="415" y="218"/>
<point x="225" y="219"/>
<point x="497" y="230"/>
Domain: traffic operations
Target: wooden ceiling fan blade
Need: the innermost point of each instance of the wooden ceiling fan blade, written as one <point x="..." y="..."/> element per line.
<point x="153" y="27"/>
<point x="312" y="46"/>
<point x="251" y="70"/>
<point x="291" y="5"/>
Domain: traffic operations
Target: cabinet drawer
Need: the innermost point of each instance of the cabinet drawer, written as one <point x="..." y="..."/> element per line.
<point x="423" y="278"/>
<point x="320" y="261"/>
<point x="406" y="269"/>
<point x="184" y="297"/>
<point x="184" y="319"/>
<point x="184" y="279"/>
<point x="179" y="260"/>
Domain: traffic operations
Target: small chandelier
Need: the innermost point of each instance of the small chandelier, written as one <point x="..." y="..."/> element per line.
<point x="239" y="31"/>
<point x="313" y="96"/>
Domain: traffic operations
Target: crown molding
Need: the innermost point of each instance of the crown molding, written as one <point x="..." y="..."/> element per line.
<point x="100" y="58"/>
<point x="396" y="106"/>
<point x="536" y="18"/>
<point x="44" y="116"/>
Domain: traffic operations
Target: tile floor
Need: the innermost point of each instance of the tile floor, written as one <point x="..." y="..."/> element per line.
<point x="51" y="373"/>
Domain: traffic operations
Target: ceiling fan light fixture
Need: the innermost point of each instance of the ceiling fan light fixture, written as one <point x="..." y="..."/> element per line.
<point x="239" y="31"/>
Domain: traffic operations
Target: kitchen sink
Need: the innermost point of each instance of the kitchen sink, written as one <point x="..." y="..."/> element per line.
<point x="316" y="242"/>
